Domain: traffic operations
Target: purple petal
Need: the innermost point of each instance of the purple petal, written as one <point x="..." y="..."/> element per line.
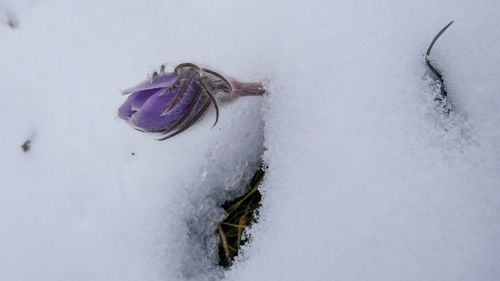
<point x="162" y="81"/>
<point x="134" y="102"/>
<point x="198" y="111"/>
<point x="153" y="115"/>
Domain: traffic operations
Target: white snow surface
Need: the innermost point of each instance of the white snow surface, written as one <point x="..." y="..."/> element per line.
<point x="366" y="179"/>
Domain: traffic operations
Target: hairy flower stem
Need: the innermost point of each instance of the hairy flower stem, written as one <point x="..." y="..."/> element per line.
<point x="246" y="89"/>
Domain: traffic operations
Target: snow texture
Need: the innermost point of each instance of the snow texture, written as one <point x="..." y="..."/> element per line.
<point x="366" y="179"/>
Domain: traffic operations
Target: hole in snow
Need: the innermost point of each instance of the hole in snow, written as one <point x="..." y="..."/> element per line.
<point x="241" y="213"/>
<point x="216" y="228"/>
<point x="230" y="166"/>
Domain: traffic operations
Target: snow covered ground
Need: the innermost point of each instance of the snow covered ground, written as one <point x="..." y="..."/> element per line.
<point x="366" y="180"/>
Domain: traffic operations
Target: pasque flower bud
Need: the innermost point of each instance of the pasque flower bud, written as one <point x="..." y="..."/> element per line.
<point x="169" y="103"/>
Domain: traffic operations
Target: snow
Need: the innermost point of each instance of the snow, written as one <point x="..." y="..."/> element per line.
<point x="366" y="179"/>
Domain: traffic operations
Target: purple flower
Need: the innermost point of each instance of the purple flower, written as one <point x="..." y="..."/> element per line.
<point x="170" y="103"/>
